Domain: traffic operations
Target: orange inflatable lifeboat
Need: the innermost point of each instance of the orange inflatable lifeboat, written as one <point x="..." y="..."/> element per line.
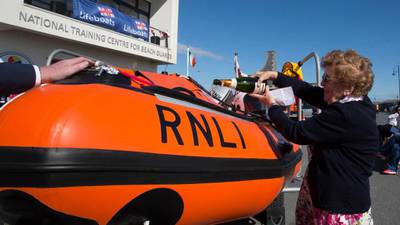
<point x="143" y="148"/>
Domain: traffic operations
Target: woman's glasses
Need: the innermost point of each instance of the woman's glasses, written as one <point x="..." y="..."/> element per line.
<point x="326" y="78"/>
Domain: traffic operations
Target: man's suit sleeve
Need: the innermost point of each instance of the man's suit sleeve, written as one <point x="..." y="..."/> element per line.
<point x="16" y="78"/>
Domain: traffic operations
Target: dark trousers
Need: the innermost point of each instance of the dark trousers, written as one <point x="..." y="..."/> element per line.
<point x="392" y="150"/>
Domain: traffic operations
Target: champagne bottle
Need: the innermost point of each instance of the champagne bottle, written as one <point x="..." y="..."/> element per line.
<point x="243" y="84"/>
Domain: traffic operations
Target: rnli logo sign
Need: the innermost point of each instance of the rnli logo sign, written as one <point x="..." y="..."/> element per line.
<point x="170" y="127"/>
<point x="107" y="12"/>
<point x="141" y="26"/>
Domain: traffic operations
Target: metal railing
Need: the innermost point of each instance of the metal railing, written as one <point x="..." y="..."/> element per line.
<point x="158" y="37"/>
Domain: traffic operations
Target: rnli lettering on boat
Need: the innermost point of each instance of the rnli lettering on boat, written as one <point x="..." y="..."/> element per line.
<point x="204" y="127"/>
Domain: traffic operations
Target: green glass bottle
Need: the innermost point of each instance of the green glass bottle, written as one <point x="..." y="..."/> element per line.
<point x="243" y="84"/>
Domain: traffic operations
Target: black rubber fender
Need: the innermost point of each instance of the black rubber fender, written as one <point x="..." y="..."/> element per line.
<point x="160" y="206"/>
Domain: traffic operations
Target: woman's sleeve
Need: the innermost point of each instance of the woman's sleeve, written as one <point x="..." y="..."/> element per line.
<point x="312" y="95"/>
<point x="324" y="128"/>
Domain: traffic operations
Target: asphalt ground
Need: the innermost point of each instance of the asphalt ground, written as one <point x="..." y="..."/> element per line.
<point x="385" y="194"/>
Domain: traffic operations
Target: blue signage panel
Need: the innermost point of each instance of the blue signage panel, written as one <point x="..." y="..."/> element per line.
<point x="109" y="17"/>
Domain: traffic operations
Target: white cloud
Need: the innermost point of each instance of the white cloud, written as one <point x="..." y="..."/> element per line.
<point x="198" y="52"/>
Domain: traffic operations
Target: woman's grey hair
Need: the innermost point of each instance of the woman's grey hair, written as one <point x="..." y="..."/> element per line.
<point x="350" y="70"/>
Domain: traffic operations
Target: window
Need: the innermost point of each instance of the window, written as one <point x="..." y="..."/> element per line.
<point x="63" y="7"/>
<point x="128" y="7"/>
<point x="144" y="6"/>
<point x="69" y="8"/>
<point x="109" y="2"/>
<point x="139" y="9"/>
<point x="132" y="3"/>
<point x="128" y="11"/>
<point x="44" y="4"/>
<point x="144" y="18"/>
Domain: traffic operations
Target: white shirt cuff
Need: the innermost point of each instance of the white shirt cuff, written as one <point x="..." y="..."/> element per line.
<point x="38" y="79"/>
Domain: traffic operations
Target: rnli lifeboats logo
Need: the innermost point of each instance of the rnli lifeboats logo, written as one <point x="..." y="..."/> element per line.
<point x="107" y="12"/>
<point x="141" y="25"/>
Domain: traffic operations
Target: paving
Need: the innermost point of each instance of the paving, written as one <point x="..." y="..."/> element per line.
<point x="385" y="195"/>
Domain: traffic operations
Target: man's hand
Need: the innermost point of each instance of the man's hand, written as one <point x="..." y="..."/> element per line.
<point x="63" y="69"/>
<point x="265" y="75"/>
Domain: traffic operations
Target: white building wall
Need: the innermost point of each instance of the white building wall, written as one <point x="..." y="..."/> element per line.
<point x="37" y="47"/>
<point x="165" y="17"/>
<point x="23" y="29"/>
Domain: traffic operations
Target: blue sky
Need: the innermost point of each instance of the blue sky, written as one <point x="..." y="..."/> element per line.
<point x="215" y="29"/>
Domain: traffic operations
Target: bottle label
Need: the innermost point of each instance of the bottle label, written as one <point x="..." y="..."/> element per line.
<point x="259" y="88"/>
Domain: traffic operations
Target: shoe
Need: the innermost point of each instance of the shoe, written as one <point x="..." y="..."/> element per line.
<point x="389" y="172"/>
<point x="381" y="156"/>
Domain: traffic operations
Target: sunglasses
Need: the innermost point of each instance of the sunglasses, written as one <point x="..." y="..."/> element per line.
<point x="326" y="78"/>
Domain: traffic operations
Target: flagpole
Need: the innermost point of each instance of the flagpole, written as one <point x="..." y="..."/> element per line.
<point x="187" y="61"/>
<point x="236" y="64"/>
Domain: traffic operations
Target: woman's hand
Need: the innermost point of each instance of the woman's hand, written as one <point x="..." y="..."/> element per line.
<point x="265" y="75"/>
<point x="267" y="99"/>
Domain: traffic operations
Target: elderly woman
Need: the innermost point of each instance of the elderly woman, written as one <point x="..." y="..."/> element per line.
<point x="344" y="139"/>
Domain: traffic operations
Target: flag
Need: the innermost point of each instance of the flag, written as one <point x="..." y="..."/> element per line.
<point x="238" y="73"/>
<point x="192" y="59"/>
<point x="236" y="66"/>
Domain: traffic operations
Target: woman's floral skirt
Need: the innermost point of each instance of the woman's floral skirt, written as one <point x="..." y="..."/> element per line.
<point x="307" y="214"/>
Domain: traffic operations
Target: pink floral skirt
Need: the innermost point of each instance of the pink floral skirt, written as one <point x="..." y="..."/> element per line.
<point x="307" y="214"/>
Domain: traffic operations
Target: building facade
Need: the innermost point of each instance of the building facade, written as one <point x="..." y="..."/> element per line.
<point x="31" y="29"/>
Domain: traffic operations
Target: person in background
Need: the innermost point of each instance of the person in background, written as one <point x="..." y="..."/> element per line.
<point x="344" y="139"/>
<point x="391" y="153"/>
<point x="389" y="150"/>
<point x="393" y="120"/>
<point x="385" y="132"/>
<point x="17" y="78"/>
